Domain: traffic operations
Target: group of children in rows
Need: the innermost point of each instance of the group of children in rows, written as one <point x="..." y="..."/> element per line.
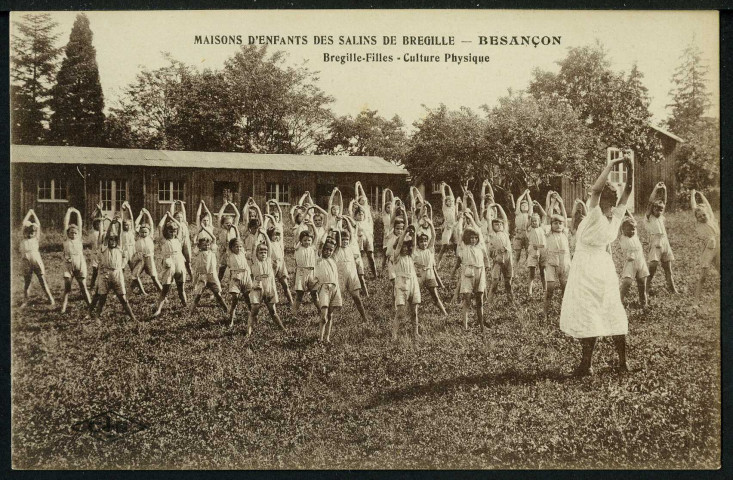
<point x="329" y="246"/>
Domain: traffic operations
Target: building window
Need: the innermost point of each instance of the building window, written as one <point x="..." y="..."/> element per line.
<point x="435" y="187"/>
<point x="112" y="194"/>
<point x="375" y="201"/>
<point x="52" y="190"/>
<point x="279" y="192"/>
<point x="170" y="190"/>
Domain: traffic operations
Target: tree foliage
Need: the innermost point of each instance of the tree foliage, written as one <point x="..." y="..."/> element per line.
<point x="531" y="140"/>
<point x="253" y="104"/>
<point x="450" y="146"/>
<point x="77" y="100"/>
<point x="698" y="159"/>
<point x="32" y="69"/>
<point x="366" y="134"/>
<point x="615" y="106"/>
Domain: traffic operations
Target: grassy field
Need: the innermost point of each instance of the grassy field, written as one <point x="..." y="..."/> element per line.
<point x="210" y="398"/>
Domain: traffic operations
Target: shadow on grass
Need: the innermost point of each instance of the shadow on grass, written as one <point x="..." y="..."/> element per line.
<point x="432" y="389"/>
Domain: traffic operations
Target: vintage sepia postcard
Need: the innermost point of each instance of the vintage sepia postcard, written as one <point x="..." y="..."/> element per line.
<point x="365" y="239"/>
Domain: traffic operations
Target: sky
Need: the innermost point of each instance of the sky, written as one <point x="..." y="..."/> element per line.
<point x="127" y="42"/>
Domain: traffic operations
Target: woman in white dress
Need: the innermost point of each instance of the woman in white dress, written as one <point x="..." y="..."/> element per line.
<point x="591" y="306"/>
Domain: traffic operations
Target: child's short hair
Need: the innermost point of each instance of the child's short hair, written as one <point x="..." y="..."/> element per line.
<point x="658" y="203"/>
<point x="557" y="218"/>
<point x="422" y="235"/>
<point x="30" y="228"/>
<point x="144" y="226"/>
<point x="272" y="230"/>
<point x="224" y="218"/>
<point x="303" y="234"/>
<point x="628" y="220"/>
<point x="536" y="216"/>
<point x="234" y="241"/>
<point x="72" y="227"/>
<point x="253" y="223"/>
<point x="261" y="246"/>
<point x="494" y="221"/>
<point x="345" y="234"/>
<point x="469" y="232"/>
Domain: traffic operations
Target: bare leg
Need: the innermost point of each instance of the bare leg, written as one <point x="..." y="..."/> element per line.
<point x="479" y="297"/>
<point x="286" y="289"/>
<point x="359" y="305"/>
<point x="26" y="287"/>
<point x="298" y="301"/>
<point x="490" y="292"/>
<point x="252" y="316"/>
<point x="531" y="279"/>
<point x="84" y="290"/>
<point x="324" y="321"/>
<point x="667" y="267"/>
<point x="222" y="270"/>
<point x="220" y="300"/>
<point x="65" y="298"/>
<point x="195" y="304"/>
<point x="314" y="298"/>
<point x="233" y="309"/>
<point x="126" y="305"/>
<point x="466" y="307"/>
<point x="440" y="255"/>
<point x="436" y="298"/>
<point x="372" y="263"/>
<point x="44" y="285"/>
<point x="398" y="316"/>
<point x="509" y="289"/>
<point x="161" y="299"/>
<point x="329" y="324"/>
<point x="652" y="270"/>
<point x="273" y="313"/>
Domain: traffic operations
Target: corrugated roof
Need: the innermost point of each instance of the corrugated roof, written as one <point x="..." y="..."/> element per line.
<point x="667" y="133"/>
<point x="178" y="159"/>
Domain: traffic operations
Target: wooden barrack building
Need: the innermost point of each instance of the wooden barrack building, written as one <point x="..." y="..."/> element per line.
<point x="49" y="179"/>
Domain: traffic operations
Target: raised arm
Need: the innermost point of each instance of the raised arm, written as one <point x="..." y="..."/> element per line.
<point x="600" y="183"/>
<point x="512" y="202"/>
<point x="387" y="193"/>
<point x="352" y="206"/>
<point x="359" y="190"/>
<point x="400" y="240"/>
<point x="431" y="242"/>
<point x="139" y="219"/>
<point x="543" y="215"/>
<point x="67" y="218"/>
<point x="237" y="215"/>
<point x="629" y="182"/>
<point x="280" y="211"/>
<point x="269" y="219"/>
<point x="183" y="210"/>
<point x="198" y="214"/>
<point x="503" y="216"/>
<point x="561" y="204"/>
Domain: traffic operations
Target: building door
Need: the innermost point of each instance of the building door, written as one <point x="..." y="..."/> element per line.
<point x="619" y="175"/>
<point x="112" y="194"/>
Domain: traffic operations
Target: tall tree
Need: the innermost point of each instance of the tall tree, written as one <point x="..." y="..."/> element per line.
<point x="615" y="106"/>
<point x="33" y="66"/>
<point x="77" y="101"/>
<point x="698" y="159"/>
<point x="690" y="95"/>
<point x="280" y="108"/>
<point x="532" y="140"/>
<point x="450" y="146"/>
<point x="367" y="134"/>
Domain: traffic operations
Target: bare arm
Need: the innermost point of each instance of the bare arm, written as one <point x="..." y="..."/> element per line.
<point x="629" y="182"/>
<point x="400" y="240"/>
<point x="543" y="215"/>
<point x="67" y="218"/>
<point x="600" y="183"/>
<point x="238" y="216"/>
